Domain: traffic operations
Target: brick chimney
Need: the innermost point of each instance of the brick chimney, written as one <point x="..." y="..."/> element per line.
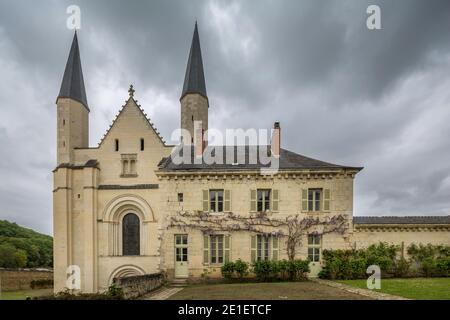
<point x="276" y="139"/>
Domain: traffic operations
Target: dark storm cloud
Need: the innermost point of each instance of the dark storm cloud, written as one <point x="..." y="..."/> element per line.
<point x="342" y="93"/>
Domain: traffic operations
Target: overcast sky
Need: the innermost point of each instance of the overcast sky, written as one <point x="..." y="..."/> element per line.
<point x="343" y="94"/>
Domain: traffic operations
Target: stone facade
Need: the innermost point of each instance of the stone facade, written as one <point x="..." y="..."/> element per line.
<point x="95" y="188"/>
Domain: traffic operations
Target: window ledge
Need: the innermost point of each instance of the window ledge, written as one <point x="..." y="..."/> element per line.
<point x="129" y="175"/>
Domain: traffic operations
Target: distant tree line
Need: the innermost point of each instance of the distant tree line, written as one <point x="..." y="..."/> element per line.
<point x="24" y="248"/>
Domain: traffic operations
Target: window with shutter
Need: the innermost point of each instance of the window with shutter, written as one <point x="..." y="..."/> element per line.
<point x="227" y="248"/>
<point x="304" y="199"/>
<point x="205" y="201"/>
<point x="253" y="248"/>
<point x="216" y="200"/>
<point x="227" y="203"/>
<point x="253" y="200"/>
<point x="275" y="199"/>
<point x="326" y="199"/>
<point x="275" y="248"/>
<point x="206" y="249"/>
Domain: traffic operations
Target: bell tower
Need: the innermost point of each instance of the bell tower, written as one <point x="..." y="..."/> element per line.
<point x="72" y="108"/>
<point x="194" y="100"/>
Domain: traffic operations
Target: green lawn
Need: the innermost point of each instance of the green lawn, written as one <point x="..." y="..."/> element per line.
<point x="417" y="288"/>
<point x="23" y="294"/>
<point x="305" y="290"/>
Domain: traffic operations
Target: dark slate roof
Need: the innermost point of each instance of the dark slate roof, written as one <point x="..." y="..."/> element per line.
<point x="402" y="220"/>
<point x="92" y="163"/>
<point x="288" y="160"/>
<point x="72" y="85"/>
<point x="194" y="80"/>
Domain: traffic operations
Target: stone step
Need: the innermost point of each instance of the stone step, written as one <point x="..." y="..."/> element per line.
<point x="179" y="282"/>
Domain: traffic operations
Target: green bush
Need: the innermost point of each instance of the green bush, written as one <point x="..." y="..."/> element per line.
<point x="262" y="269"/>
<point x="227" y="270"/>
<point x="241" y="268"/>
<point x="297" y="269"/>
<point x="430" y="260"/>
<point x="402" y="268"/>
<point x="352" y="264"/>
<point x="115" y="292"/>
<point x="266" y="270"/>
<point x="443" y="266"/>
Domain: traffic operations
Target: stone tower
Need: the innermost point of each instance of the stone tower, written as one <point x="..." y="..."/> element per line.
<point x="73" y="110"/>
<point x="194" y="101"/>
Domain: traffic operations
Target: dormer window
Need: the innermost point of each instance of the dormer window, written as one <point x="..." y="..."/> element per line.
<point x="129" y="165"/>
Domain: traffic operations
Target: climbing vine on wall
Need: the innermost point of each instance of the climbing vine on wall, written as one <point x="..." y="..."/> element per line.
<point x="292" y="227"/>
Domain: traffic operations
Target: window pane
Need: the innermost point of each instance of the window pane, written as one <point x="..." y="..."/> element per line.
<point x="220" y="206"/>
<point x="260" y="206"/>
<point x="310" y="239"/>
<point x="212" y="201"/>
<point x="260" y="195"/>
<point x="130" y="235"/>
<point x="267" y="205"/>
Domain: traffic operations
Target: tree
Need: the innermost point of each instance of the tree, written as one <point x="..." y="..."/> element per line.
<point x="293" y="227"/>
<point x="10" y="257"/>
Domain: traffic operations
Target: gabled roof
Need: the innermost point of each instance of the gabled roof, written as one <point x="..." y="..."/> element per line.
<point x="402" y="220"/>
<point x="72" y="85"/>
<point x="288" y="160"/>
<point x="194" y="80"/>
<point x="151" y="125"/>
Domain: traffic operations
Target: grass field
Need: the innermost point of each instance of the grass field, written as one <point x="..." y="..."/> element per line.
<point x="305" y="290"/>
<point x="416" y="288"/>
<point x="23" y="294"/>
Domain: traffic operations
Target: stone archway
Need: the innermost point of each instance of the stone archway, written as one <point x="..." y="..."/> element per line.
<point x="113" y="215"/>
<point x="126" y="271"/>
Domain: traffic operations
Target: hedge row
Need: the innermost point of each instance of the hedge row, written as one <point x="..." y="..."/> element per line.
<point x="267" y="270"/>
<point x="423" y="260"/>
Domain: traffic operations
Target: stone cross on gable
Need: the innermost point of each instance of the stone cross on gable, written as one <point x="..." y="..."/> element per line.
<point x="131" y="91"/>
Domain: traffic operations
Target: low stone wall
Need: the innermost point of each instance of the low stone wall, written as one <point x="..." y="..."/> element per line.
<point x="20" y="279"/>
<point x="137" y="286"/>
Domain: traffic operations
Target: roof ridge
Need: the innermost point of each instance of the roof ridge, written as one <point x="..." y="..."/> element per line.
<point x="148" y="121"/>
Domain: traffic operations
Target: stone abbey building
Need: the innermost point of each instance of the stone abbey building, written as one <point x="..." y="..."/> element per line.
<point x="126" y="208"/>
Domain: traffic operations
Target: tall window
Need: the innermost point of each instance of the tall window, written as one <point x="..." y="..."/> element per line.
<point x="262" y="246"/>
<point x="216" y="200"/>
<point x="142" y="144"/>
<point x="130" y="235"/>
<point x="263" y="200"/>
<point x="314" y="199"/>
<point x="314" y="246"/>
<point x="116" y="144"/>
<point x="216" y="247"/>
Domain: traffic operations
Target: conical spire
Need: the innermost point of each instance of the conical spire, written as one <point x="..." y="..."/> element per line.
<point x="194" y="80"/>
<point x="72" y="85"/>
